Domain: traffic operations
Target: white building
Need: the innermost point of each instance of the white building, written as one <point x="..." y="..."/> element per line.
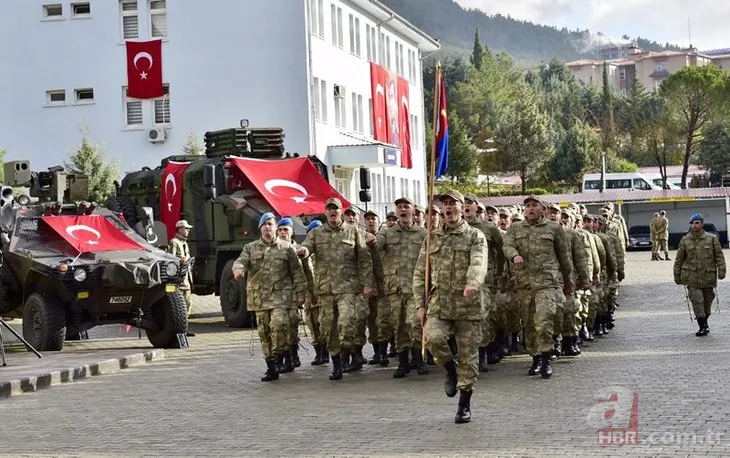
<point x="302" y="65"/>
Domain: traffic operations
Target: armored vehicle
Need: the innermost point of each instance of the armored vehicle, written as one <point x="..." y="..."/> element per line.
<point x="244" y="173"/>
<point x="69" y="266"/>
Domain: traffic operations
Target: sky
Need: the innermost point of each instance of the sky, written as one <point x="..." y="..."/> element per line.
<point x="659" y="20"/>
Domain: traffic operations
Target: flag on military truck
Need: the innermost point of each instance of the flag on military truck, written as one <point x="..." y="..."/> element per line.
<point x="171" y="192"/>
<point x="90" y="233"/>
<point x="293" y="187"/>
<point x="144" y="69"/>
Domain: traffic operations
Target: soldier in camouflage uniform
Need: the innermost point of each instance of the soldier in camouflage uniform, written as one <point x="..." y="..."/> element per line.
<point x="178" y="246"/>
<point x="285" y="231"/>
<point x="434" y="212"/>
<point x="608" y="271"/>
<point x="458" y="267"/>
<point x="615" y="219"/>
<point x="391" y="219"/>
<point x="661" y="231"/>
<point x="615" y="252"/>
<point x="275" y="281"/>
<point x="379" y="328"/>
<point x="698" y="265"/>
<point x="505" y="299"/>
<point x="654" y="242"/>
<point x="552" y="214"/>
<point x="419" y="216"/>
<point x="311" y="308"/>
<point x="540" y="253"/>
<point x="342" y="270"/>
<point x="399" y="247"/>
<point x="362" y="311"/>
<point x="594" y="272"/>
<point x="582" y="275"/>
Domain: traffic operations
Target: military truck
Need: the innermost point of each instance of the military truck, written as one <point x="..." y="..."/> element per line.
<point x="69" y="265"/>
<point x="220" y="203"/>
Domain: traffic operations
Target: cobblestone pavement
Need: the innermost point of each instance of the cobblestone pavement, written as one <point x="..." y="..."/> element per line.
<point x="208" y="400"/>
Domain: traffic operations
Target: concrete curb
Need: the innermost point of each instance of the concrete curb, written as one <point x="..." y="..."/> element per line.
<point x="73" y="374"/>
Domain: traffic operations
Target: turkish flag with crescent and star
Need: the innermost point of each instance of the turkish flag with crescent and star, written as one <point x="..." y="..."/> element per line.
<point x="171" y="189"/>
<point x="378" y="76"/>
<point x="91" y="233"/>
<point x="404" y="123"/>
<point x="144" y="69"/>
<point x="293" y="187"/>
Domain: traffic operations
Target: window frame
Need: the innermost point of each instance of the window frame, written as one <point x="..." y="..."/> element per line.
<point x="51" y="103"/>
<point x="162" y="100"/>
<point x="47" y="17"/>
<point x="130" y="13"/>
<point x="75" y="15"/>
<point x="79" y="101"/>
<point x="126" y="100"/>
<point x="157" y="12"/>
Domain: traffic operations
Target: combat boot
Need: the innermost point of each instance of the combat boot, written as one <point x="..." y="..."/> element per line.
<point x="355" y="364"/>
<point x="318" y="360"/>
<point x="376" y="355"/>
<point x="701" y="322"/>
<point x="280" y="368"/>
<point x="271" y="372"/>
<point x="421" y="367"/>
<point x="360" y="357"/>
<point x="463" y="413"/>
<point x="403" y="367"/>
<point x="295" y="356"/>
<point x="336" y="367"/>
<point x="483" y="359"/>
<point x="576" y="348"/>
<point x="546" y="370"/>
<point x="666" y="256"/>
<point x="288" y="363"/>
<point x="604" y="329"/>
<point x="567" y="345"/>
<point x="325" y="354"/>
<point x="584" y="335"/>
<point x="412" y="362"/>
<point x="515" y="343"/>
<point x="557" y="348"/>
<point x="451" y="378"/>
<point x="429" y="359"/>
<point x="654" y="257"/>
<point x="383" y="349"/>
<point x="503" y="341"/>
<point x="536" y="363"/>
<point x="493" y="353"/>
<point x="707" y="326"/>
<point x="392" y="352"/>
<point x="597" y="326"/>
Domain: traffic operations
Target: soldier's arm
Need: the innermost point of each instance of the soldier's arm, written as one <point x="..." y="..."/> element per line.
<point x="610" y="258"/>
<point x="174" y="248"/>
<point x="478" y="257"/>
<point x="365" y="262"/>
<point x="719" y="258"/>
<point x="297" y="274"/>
<point x="498" y="241"/>
<point x="509" y="248"/>
<point x="243" y="263"/>
<point x="419" y="278"/>
<point x="595" y="257"/>
<point x="380" y="244"/>
<point x="307" y="266"/>
<point x="562" y="250"/>
<point x="308" y="242"/>
<point x="580" y="260"/>
<point x="678" y="261"/>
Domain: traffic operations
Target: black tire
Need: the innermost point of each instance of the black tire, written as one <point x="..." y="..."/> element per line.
<point x="44" y="322"/>
<point x="233" y="299"/>
<point x="171" y="317"/>
<point x="10" y="294"/>
<point x="125" y="206"/>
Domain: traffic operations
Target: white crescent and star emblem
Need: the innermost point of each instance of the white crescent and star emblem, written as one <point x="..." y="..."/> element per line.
<point x="71" y="231"/>
<point x="170" y="178"/>
<point x="143" y="55"/>
<point x="379" y="90"/>
<point x="278" y="182"/>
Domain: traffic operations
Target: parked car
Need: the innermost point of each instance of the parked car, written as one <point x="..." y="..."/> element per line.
<point x="711" y="229"/>
<point x="639" y="238"/>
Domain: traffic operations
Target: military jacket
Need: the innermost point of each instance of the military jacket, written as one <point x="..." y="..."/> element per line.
<point x="619" y="251"/>
<point x="495" y="243"/>
<point x="378" y="275"/>
<point x="545" y="251"/>
<point x="579" y="256"/>
<point x="178" y="246"/>
<point x="398" y="248"/>
<point x="593" y="260"/>
<point x="699" y="261"/>
<point x="661" y="228"/>
<point x="275" y="275"/>
<point x="458" y="258"/>
<point x="611" y="266"/>
<point x="308" y="266"/>
<point x="342" y="262"/>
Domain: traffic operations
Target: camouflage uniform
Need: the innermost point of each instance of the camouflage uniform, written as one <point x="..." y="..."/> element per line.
<point x="458" y="258"/>
<point x="275" y="280"/>
<point x="661" y="229"/>
<point x="612" y="249"/>
<point x="178" y="246"/>
<point x="379" y="323"/>
<point x="594" y="272"/>
<point x="581" y="277"/>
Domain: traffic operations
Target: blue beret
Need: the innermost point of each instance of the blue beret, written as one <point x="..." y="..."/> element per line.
<point x="696" y="217"/>
<point x="313" y="224"/>
<point x="265" y="217"/>
<point x="285" y="222"/>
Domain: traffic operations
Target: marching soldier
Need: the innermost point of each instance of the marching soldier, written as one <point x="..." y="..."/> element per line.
<point x="290" y="358"/>
<point x="698" y="265"/>
<point x="362" y="309"/>
<point x="179" y="247"/>
<point x="379" y="328"/>
<point x="458" y="267"/>
<point x="419" y="217"/>
<point x="275" y="281"/>
<point x="654" y="241"/>
<point x="390" y="220"/>
<point x="311" y="308"/>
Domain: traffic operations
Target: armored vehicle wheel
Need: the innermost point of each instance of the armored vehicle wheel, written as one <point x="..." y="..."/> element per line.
<point x="233" y="299"/>
<point x="171" y="317"/>
<point x="10" y="297"/>
<point x="44" y="322"/>
<point x="125" y="206"/>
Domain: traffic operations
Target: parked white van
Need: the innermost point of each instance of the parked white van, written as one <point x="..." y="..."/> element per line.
<point x="656" y="178"/>
<point x="626" y="181"/>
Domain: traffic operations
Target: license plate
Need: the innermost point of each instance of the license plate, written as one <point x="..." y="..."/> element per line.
<point x="644" y="243"/>
<point x="170" y="288"/>
<point x="120" y="299"/>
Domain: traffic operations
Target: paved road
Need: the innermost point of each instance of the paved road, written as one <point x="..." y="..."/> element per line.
<point x="208" y="400"/>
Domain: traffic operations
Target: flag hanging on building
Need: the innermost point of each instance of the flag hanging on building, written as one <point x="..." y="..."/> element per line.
<point x="391" y="111"/>
<point x="377" y="83"/>
<point x="442" y="132"/>
<point x="144" y="69"/>
<point x="404" y="122"/>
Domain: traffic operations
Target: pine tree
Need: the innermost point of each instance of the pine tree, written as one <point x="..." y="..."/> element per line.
<point x="477" y="55"/>
<point x="193" y="145"/>
<point x="607" y="111"/>
<point x="89" y="160"/>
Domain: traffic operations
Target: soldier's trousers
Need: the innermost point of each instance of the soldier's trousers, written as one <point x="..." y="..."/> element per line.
<point x="468" y="338"/>
<point x="571" y="315"/>
<point x="654" y="246"/>
<point x="489" y="318"/>
<point x="273" y="328"/>
<point x="362" y="311"/>
<point x="188" y="295"/>
<point x="559" y="313"/>
<point x="510" y="307"/>
<point x="701" y="299"/>
<point x="294" y="320"/>
<point x="401" y="320"/>
<point x="337" y="320"/>
<point x="594" y="304"/>
<point x="584" y="298"/>
<point x="312" y="317"/>
<point x="662" y="246"/>
<point x="383" y="326"/>
<point x="540" y="308"/>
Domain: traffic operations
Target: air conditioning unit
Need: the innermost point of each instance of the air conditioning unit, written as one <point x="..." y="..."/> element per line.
<point x="157" y="134"/>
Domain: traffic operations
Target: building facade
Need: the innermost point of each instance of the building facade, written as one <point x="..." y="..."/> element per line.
<point x="302" y="65"/>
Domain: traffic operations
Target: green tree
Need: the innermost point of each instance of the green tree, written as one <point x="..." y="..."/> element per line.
<point x="577" y="151"/>
<point x="658" y="136"/>
<point x="462" y="152"/>
<point x="193" y="145"/>
<point x="522" y="136"/>
<point x="89" y="160"/>
<point x="607" y="99"/>
<point x="714" y="149"/>
<point x="2" y="162"/>
<point x="478" y="52"/>
<point x="695" y="96"/>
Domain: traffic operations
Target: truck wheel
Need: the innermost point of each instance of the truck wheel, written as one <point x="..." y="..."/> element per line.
<point x="10" y="297"/>
<point x="44" y="322"/>
<point x="233" y="299"/>
<point x="125" y="206"/>
<point x="171" y="317"/>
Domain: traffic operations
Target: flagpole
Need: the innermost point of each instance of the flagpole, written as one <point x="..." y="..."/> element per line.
<point x="431" y="190"/>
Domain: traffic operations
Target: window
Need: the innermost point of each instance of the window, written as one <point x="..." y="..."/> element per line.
<point x="414" y="132"/>
<point x="337" y="38"/>
<point x="399" y="67"/>
<point x="411" y="65"/>
<point x="370" y="117"/>
<point x="56" y="97"/>
<point x="81" y="9"/>
<point x="316" y="18"/>
<point x="661" y="66"/>
<point x="132" y="110"/>
<point x="320" y="100"/>
<point x="357" y="122"/>
<point x="340" y="106"/>
<point x="387" y="52"/>
<point x="370" y="43"/>
<point x="622" y="74"/>
<point x="54" y="11"/>
<point x="158" y="18"/>
<point x="381" y="49"/>
<point x="355" y="35"/>
<point x="162" y="107"/>
<point x="416" y="191"/>
<point x="405" y="187"/>
<point x="378" y="196"/>
<point x="130" y="19"/>
<point x="85" y="95"/>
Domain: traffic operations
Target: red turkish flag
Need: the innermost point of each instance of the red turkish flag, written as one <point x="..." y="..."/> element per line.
<point x="171" y="191"/>
<point x="392" y="105"/>
<point x="293" y="187"/>
<point x="91" y="233"/>
<point x="144" y="69"/>
<point x="377" y="87"/>
<point x="404" y="124"/>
